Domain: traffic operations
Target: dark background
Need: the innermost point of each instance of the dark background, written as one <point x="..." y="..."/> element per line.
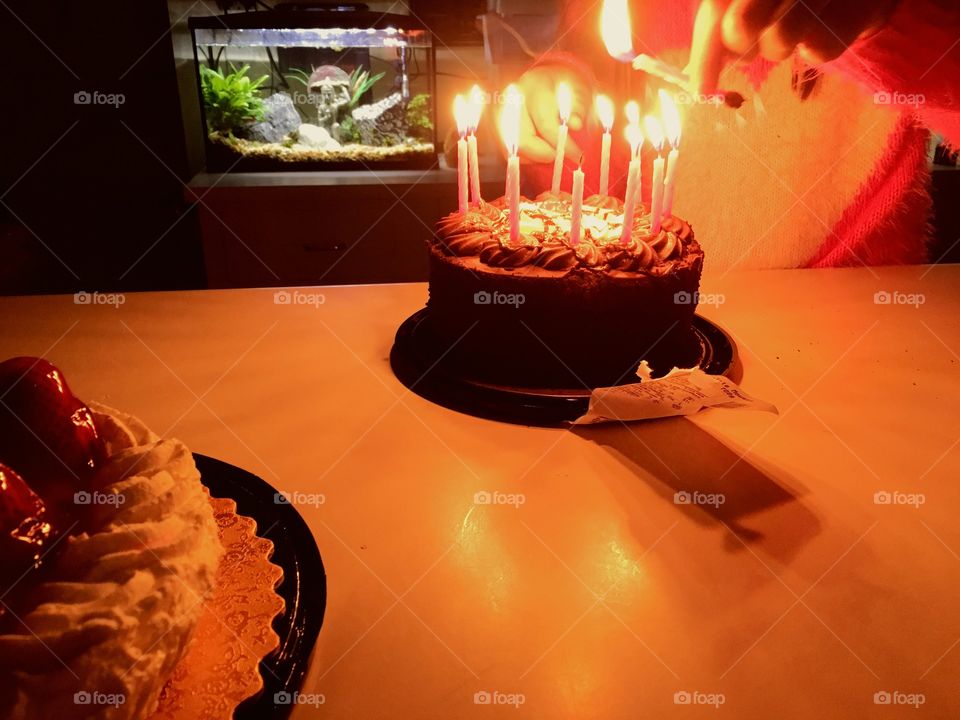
<point x="110" y="185"/>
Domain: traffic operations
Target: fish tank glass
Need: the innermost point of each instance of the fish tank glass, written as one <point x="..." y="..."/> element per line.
<point x="315" y="87"/>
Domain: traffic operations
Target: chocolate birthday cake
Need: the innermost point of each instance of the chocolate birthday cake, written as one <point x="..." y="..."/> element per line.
<point x="542" y="311"/>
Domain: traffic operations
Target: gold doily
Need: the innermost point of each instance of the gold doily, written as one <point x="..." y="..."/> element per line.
<point x="234" y="633"/>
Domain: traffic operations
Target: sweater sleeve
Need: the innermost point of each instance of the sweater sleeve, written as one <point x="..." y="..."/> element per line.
<point x="914" y="62"/>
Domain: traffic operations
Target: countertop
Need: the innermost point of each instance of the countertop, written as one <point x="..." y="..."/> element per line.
<point x="820" y="567"/>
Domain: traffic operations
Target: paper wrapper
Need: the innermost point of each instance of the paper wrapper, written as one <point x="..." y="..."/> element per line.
<point x="234" y="633"/>
<point x="679" y="392"/>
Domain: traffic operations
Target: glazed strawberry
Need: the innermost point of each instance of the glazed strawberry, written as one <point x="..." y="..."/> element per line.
<point x="26" y="532"/>
<point x="47" y="435"/>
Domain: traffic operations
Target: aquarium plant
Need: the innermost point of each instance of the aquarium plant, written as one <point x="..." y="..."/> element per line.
<point x="231" y="100"/>
<point x="361" y="81"/>
<point x="419" y="123"/>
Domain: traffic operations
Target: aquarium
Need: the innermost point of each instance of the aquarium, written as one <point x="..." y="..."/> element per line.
<point x="315" y="87"/>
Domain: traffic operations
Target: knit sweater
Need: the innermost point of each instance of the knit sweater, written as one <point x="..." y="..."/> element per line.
<point x="836" y="176"/>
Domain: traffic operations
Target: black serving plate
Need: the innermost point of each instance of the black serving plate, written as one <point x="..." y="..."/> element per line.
<point x="414" y="359"/>
<point x="303" y="588"/>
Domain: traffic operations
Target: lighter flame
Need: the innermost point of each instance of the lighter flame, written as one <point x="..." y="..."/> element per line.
<point x="605" y="111"/>
<point x="671" y="117"/>
<point x="510" y="119"/>
<point x="634" y="137"/>
<point x="461" y="114"/>
<point x="564" y="101"/>
<point x="615" y="29"/>
<point x="654" y="132"/>
<point x="477" y="101"/>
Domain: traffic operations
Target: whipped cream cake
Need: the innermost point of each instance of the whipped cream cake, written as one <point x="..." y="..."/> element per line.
<point x="102" y="586"/>
<point x="544" y="312"/>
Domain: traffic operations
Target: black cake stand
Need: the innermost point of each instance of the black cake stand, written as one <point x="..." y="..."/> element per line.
<point x="420" y="364"/>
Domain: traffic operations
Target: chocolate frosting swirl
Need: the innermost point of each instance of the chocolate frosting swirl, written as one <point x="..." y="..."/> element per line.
<point x="513" y="256"/>
<point x="484" y="232"/>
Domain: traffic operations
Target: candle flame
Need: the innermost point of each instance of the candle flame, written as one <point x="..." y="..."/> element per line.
<point x="671" y="117"/>
<point x="477" y="100"/>
<point x="510" y="118"/>
<point x="564" y="101"/>
<point x="615" y="29"/>
<point x="461" y="114"/>
<point x="654" y="131"/>
<point x="632" y="111"/>
<point x="605" y="111"/>
<point x="634" y="137"/>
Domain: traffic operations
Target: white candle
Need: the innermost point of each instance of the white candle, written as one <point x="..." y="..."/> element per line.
<point x="564" y="103"/>
<point x="655" y="133"/>
<point x="605" y="112"/>
<point x="460" y="113"/>
<point x="670" y="182"/>
<point x="632" y="195"/>
<point x="510" y="132"/>
<point x="475" y="109"/>
<point x="630" y="200"/>
<point x="513" y="196"/>
<point x="474" y="164"/>
<point x="577" y="210"/>
<point x="671" y="122"/>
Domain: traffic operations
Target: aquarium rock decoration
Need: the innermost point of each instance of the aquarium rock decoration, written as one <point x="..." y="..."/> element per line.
<point x="315" y="138"/>
<point x="383" y="122"/>
<point x="280" y="118"/>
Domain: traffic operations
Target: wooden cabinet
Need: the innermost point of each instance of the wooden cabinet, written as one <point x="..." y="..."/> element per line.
<point x="279" y="229"/>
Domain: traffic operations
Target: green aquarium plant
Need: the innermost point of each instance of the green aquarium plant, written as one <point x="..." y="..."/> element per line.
<point x="419" y="124"/>
<point x="349" y="132"/>
<point x="231" y="100"/>
<point x="361" y="81"/>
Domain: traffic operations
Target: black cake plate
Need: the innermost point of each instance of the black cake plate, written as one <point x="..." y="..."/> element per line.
<point x="303" y="588"/>
<point x="419" y="364"/>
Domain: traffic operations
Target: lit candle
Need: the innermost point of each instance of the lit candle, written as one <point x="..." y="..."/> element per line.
<point x="577" y="210"/>
<point x="632" y="196"/>
<point x="615" y="29"/>
<point x="655" y="134"/>
<point x="671" y="122"/>
<point x="460" y="113"/>
<point x="605" y="113"/>
<point x="475" y="110"/>
<point x="510" y="132"/>
<point x="564" y="103"/>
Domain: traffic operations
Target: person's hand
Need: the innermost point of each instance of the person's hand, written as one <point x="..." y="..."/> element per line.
<point x="539" y="118"/>
<point x="820" y="30"/>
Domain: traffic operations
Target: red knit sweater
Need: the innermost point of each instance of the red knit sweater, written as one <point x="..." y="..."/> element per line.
<point x="838" y="178"/>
